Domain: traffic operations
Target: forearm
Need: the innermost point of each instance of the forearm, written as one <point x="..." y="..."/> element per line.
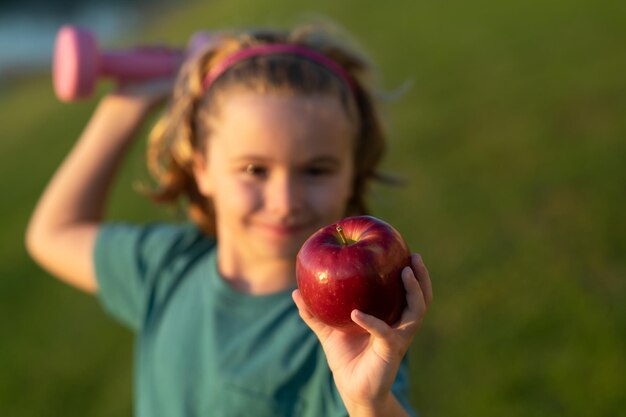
<point x="78" y="189"/>
<point x="63" y="226"/>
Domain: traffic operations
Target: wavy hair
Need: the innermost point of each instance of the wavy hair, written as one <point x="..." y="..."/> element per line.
<point x="183" y="128"/>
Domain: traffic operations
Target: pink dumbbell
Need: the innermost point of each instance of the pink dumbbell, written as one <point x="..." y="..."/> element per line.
<point x="78" y="62"/>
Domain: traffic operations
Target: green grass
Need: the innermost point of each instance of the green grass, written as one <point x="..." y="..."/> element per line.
<point x="512" y="137"/>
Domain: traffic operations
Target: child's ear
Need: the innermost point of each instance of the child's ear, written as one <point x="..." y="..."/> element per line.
<point x="202" y="174"/>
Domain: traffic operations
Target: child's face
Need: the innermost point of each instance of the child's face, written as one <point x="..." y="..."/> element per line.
<point x="277" y="169"/>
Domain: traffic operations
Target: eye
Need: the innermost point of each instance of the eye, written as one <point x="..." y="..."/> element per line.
<point x="317" y="171"/>
<point x="255" y="170"/>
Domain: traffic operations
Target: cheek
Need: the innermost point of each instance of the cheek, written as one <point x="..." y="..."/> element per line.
<point x="232" y="196"/>
<point x="332" y="199"/>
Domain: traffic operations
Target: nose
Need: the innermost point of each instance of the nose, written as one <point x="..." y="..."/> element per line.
<point x="284" y="195"/>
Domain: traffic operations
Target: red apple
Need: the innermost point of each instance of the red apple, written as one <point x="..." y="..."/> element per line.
<point x="353" y="264"/>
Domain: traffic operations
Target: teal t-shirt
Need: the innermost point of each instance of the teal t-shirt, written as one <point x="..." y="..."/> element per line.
<point x="202" y="348"/>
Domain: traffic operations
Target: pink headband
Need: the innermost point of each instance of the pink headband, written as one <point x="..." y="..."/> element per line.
<point x="277" y="48"/>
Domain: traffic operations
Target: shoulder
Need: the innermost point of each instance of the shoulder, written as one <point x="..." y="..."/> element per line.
<point x="137" y="266"/>
<point x="146" y="252"/>
<point x="153" y="240"/>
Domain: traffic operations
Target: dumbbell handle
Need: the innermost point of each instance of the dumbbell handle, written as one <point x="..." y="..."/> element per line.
<point x="141" y="63"/>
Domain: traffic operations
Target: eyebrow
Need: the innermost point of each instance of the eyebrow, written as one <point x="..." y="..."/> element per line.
<point x="322" y="159"/>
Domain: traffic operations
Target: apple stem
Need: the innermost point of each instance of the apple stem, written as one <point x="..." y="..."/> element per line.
<point x="341" y="235"/>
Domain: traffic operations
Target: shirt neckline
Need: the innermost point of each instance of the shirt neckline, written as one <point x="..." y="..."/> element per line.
<point x="226" y="294"/>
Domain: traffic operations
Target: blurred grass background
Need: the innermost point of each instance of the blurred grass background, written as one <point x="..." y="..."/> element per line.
<point x="513" y="139"/>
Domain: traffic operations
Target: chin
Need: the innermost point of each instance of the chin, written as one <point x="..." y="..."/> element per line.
<point x="279" y="252"/>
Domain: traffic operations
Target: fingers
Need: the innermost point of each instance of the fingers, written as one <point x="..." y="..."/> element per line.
<point x="416" y="303"/>
<point x="416" y="306"/>
<point x="374" y="326"/>
<point x="423" y="277"/>
<point x="418" y="294"/>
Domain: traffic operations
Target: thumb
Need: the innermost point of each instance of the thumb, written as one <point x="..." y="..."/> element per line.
<point x="321" y="329"/>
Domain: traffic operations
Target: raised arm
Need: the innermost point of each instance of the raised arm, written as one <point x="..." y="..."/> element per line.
<point x="63" y="227"/>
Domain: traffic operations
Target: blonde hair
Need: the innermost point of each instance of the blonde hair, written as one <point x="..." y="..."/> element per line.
<point x="183" y="129"/>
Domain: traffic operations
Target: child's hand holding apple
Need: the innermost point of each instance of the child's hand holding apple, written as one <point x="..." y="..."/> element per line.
<point x="346" y="270"/>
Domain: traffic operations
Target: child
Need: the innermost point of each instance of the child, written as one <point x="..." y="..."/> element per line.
<point x="270" y="135"/>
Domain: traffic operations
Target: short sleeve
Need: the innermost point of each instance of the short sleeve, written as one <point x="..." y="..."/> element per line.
<point x="400" y="387"/>
<point x="128" y="259"/>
